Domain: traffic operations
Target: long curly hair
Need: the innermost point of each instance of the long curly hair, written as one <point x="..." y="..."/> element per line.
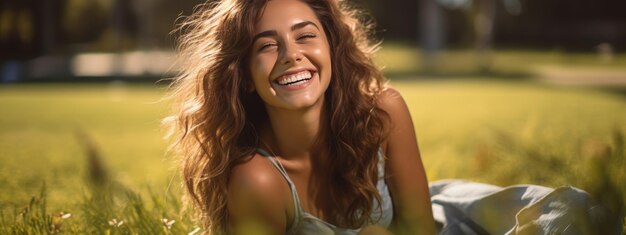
<point x="215" y="114"/>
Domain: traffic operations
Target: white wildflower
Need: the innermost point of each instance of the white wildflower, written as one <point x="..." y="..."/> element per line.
<point x="193" y="232"/>
<point x="64" y="215"/>
<point x="116" y="223"/>
<point x="168" y="223"/>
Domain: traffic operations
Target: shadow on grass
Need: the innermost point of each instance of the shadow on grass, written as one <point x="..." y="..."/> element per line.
<point x="618" y="91"/>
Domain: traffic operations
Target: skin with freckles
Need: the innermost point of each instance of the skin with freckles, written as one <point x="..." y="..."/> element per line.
<point x="295" y="78"/>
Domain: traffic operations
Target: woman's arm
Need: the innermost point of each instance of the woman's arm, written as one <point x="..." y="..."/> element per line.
<point x="406" y="176"/>
<point x="257" y="198"/>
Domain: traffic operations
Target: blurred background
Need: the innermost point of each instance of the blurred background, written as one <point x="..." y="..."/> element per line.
<point x="501" y="91"/>
<point x="113" y="39"/>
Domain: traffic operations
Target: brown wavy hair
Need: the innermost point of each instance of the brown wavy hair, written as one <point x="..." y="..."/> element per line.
<point x="215" y="113"/>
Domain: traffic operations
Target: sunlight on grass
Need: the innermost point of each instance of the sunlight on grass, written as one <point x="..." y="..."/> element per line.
<point x="490" y="131"/>
<point x="456" y="120"/>
<point x="38" y="136"/>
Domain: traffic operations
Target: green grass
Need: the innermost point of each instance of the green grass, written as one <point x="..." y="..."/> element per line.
<point x="457" y="121"/>
<point x="485" y="130"/>
<point x="49" y="132"/>
<point x="39" y="126"/>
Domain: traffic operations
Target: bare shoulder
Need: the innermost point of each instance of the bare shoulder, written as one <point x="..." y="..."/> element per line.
<point x="405" y="172"/>
<point x="401" y="125"/>
<point x="391" y="100"/>
<point x="256" y="172"/>
<point x="258" y="193"/>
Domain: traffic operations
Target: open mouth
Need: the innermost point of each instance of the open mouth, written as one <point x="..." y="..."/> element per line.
<point x="294" y="79"/>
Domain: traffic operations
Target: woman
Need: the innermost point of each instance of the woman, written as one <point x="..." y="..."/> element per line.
<point x="285" y="123"/>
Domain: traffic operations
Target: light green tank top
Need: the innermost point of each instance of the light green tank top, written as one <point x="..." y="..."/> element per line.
<point x="305" y="223"/>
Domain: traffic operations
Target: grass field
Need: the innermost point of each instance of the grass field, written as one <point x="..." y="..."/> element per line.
<point x="496" y="131"/>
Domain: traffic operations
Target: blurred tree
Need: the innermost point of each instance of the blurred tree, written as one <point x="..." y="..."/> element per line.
<point x="147" y="17"/>
<point x="30" y="28"/>
<point x="50" y="11"/>
<point x="19" y="30"/>
<point x="168" y="14"/>
<point x="83" y="21"/>
<point x="564" y="24"/>
<point x="483" y="17"/>
<point x="155" y="19"/>
<point x="432" y="32"/>
<point x="123" y="22"/>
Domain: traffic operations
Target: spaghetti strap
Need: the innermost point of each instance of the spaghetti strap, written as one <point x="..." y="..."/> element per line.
<point x="276" y="163"/>
<point x="294" y="193"/>
<point x="305" y="223"/>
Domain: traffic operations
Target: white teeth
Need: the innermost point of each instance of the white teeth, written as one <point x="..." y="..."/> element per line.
<point x="294" y="78"/>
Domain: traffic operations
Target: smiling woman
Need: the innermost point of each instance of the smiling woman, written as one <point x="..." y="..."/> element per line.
<point x="290" y="61"/>
<point x="284" y="123"/>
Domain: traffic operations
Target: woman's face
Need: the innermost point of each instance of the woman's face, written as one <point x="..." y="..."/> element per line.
<point x="290" y="58"/>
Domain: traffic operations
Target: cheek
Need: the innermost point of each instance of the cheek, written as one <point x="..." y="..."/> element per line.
<point x="260" y="68"/>
<point x="318" y="52"/>
<point x="322" y="54"/>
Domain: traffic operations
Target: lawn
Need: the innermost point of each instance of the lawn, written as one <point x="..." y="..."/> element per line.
<point x="497" y="131"/>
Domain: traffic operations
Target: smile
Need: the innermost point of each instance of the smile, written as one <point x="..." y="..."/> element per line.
<point x="294" y="79"/>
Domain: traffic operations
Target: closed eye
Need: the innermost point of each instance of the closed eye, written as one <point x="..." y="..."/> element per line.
<point x="266" y="45"/>
<point x="306" y="36"/>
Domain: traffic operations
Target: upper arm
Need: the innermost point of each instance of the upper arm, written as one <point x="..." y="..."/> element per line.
<point x="405" y="172"/>
<point x="256" y="198"/>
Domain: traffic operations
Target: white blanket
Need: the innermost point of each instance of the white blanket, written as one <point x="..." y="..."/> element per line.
<point x="461" y="207"/>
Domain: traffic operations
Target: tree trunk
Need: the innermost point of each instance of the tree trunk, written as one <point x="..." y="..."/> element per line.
<point x="483" y="30"/>
<point x="431" y="32"/>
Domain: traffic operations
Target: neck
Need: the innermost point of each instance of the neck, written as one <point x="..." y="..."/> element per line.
<point x="292" y="133"/>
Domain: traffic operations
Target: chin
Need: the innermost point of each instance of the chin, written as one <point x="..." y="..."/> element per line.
<point x="303" y="102"/>
<point x="301" y="105"/>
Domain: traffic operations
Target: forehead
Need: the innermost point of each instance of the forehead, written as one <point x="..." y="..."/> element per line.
<point x="282" y="14"/>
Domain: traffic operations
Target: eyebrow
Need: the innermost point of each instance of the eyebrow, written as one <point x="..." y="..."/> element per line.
<point x="302" y="25"/>
<point x="293" y="28"/>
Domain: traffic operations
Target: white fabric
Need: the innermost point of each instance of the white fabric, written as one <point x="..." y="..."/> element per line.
<point x="461" y="207"/>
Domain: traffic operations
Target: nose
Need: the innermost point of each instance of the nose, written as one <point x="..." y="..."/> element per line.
<point x="291" y="54"/>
